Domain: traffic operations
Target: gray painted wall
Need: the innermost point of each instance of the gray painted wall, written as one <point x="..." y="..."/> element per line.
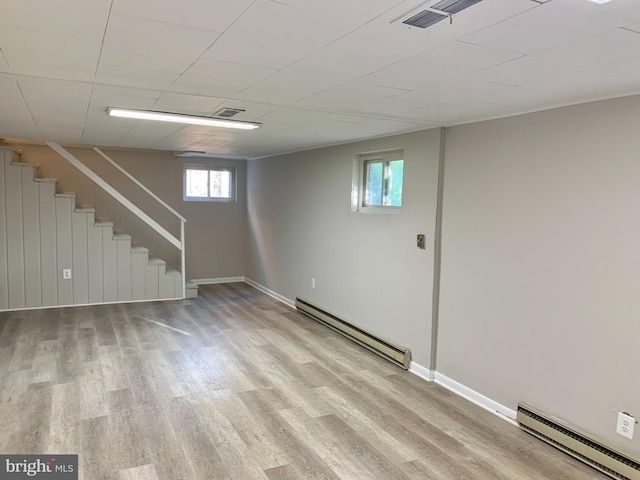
<point x="541" y="262"/>
<point x="367" y="266"/>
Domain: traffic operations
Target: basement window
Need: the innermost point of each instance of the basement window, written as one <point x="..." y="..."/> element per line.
<point x="209" y="184"/>
<point x="380" y="185"/>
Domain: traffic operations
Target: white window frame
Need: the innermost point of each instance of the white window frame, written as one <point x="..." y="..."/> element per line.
<point x="359" y="181"/>
<point x="209" y="168"/>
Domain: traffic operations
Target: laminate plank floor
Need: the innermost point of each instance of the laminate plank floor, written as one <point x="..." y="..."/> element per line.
<point x="234" y="385"/>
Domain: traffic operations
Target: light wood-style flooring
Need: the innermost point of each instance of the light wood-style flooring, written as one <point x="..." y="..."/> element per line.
<point x="234" y="385"/>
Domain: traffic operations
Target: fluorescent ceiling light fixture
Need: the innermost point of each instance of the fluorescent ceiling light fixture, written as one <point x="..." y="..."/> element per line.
<point x="600" y="1"/>
<point x="180" y="118"/>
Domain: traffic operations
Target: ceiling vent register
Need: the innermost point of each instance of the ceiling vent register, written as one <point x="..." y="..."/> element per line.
<point x="438" y="12"/>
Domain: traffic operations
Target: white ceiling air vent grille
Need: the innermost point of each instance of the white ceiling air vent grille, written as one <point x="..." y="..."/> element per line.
<point x="227" y="112"/>
<point x="425" y="19"/>
<point x="454" y="6"/>
<point x="438" y="12"/>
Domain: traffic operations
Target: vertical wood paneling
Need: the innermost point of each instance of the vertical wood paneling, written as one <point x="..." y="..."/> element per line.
<point x="64" y="239"/>
<point x="124" y="269"/>
<point x="138" y="276"/>
<point x="109" y="265"/>
<point x="166" y="286"/>
<point x="15" y="236"/>
<point x="5" y="154"/>
<point x="48" y="244"/>
<point x="178" y="285"/>
<point x="96" y="283"/>
<point x="80" y="257"/>
<point x="31" y="226"/>
<point x="152" y="282"/>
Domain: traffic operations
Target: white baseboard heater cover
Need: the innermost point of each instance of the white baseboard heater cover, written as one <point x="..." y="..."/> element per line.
<point x="397" y="354"/>
<point x="595" y="453"/>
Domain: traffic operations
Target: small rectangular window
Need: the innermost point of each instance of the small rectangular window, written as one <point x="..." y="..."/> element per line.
<point x="382" y="176"/>
<point x="208" y="184"/>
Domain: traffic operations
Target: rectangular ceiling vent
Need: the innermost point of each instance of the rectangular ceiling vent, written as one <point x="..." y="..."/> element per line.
<point x="425" y="19"/>
<point x="453" y="6"/>
<point x="227" y="112"/>
<point x="438" y="12"/>
<point x="597" y="453"/>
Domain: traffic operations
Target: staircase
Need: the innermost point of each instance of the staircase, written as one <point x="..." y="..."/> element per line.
<point x="45" y="238"/>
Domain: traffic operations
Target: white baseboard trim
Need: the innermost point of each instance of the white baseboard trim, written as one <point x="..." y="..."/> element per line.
<point x="120" y="302"/>
<point x="488" y="404"/>
<point x="271" y="293"/>
<point x="213" y="281"/>
<point x="420" y="371"/>
<point x="472" y="396"/>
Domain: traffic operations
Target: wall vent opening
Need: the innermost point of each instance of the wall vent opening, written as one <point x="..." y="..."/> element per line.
<point x="595" y="453"/>
<point x="397" y="354"/>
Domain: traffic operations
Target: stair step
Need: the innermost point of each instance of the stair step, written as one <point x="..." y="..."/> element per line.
<point x="172" y="272"/>
<point x="139" y="249"/>
<point x="85" y="210"/>
<point x="191" y="290"/>
<point x="65" y="195"/>
<point x="103" y="223"/>
<point x="156" y="261"/>
<point x="121" y="236"/>
<point x="45" y="180"/>
<point x="25" y="164"/>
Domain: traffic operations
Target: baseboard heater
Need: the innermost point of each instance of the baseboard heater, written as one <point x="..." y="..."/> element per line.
<point x="595" y="453"/>
<point x="397" y="354"/>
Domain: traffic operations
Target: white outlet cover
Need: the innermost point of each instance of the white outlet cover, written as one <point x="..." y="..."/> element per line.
<point x="66" y="274"/>
<point x="626" y="424"/>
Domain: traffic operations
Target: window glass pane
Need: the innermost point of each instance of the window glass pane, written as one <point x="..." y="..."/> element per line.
<point x="373" y="187"/>
<point x="196" y="183"/>
<point x="396" y="168"/>
<point x="220" y="185"/>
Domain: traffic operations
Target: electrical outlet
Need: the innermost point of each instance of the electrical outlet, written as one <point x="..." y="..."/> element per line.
<point x="66" y="274"/>
<point x="625" y="426"/>
<point x="313" y="283"/>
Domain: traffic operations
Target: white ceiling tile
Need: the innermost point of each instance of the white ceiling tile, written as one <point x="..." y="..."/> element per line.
<point x="151" y="45"/>
<point x="74" y="18"/>
<point x="216" y="15"/>
<point x="273" y="90"/>
<point x="349" y="95"/>
<point x="551" y="25"/>
<point x="134" y="77"/>
<point x="215" y="78"/>
<point x="446" y="62"/>
<point x="62" y="133"/>
<point x="49" y="101"/>
<point x="45" y="54"/>
<point x="468" y="88"/>
<point x="277" y="34"/>
<point x="194" y="104"/>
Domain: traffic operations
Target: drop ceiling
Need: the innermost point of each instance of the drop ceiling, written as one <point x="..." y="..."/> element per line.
<point x="313" y="72"/>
